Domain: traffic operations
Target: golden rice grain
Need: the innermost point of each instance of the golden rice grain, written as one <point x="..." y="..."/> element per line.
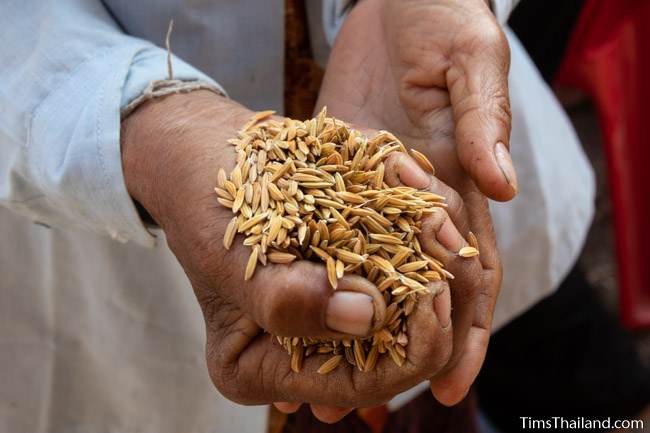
<point x="221" y="177"/>
<point x="349" y="257"/>
<point x="225" y="202"/>
<point x="231" y="230"/>
<point x="329" y="365"/>
<point x="468" y="252"/>
<point x="422" y="161"/>
<point x="280" y="257"/>
<point x="252" y="263"/>
<point x="371" y="359"/>
<point x="297" y="357"/>
<point x="247" y="225"/>
<point x="395" y="356"/>
<point x="383" y="264"/>
<point x="472" y="240"/>
<point x="413" y="266"/>
<point x="385" y="239"/>
<point x="359" y="355"/>
<point x="315" y="190"/>
<point x="340" y="269"/>
<point x="331" y="272"/>
<point x="239" y="199"/>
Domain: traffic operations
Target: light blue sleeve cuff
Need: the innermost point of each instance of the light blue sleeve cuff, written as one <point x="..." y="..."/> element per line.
<point x="151" y="65"/>
<point x="74" y="141"/>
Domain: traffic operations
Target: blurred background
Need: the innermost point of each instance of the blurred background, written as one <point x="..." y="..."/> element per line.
<point x="592" y="356"/>
<point x="569" y="42"/>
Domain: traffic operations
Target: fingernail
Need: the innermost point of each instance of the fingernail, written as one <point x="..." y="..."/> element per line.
<point x="449" y="236"/>
<point x="442" y="308"/>
<point x="505" y="164"/>
<point x="411" y="174"/>
<point x="350" y="313"/>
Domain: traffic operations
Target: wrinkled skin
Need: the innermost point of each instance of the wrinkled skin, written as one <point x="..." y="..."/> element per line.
<point x="432" y="58"/>
<point x="171" y="149"/>
<point x="435" y="74"/>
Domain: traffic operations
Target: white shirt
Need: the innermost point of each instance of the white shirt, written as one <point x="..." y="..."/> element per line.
<point x="104" y="336"/>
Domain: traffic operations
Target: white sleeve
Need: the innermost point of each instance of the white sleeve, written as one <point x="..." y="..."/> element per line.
<point x="66" y="71"/>
<point x="502" y="9"/>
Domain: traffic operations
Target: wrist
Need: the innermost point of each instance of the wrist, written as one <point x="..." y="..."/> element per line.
<point x="164" y="140"/>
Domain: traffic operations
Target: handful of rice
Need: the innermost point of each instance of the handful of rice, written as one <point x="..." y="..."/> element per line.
<point x="315" y="190"/>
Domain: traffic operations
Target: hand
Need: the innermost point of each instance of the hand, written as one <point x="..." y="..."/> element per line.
<point x="171" y="149"/>
<point x="442" y="239"/>
<point x="423" y="58"/>
<point x="362" y="85"/>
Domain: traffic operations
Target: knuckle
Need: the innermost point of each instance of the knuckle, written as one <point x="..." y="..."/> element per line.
<point x="490" y="44"/>
<point x="488" y="37"/>
<point x="434" y="354"/>
<point x="226" y="330"/>
<point x="500" y="108"/>
<point x="226" y="379"/>
<point x="295" y="301"/>
<point x="428" y="351"/>
<point x="484" y="310"/>
<point x="243" y="387"/>
<point x="455" y="206"/>
<point x="468" y="282"/>
<point x="468" y="270"/>
<point x="272" y="314"/>
<point x="457" y="211"/>
<point x="392" y="163"/>
<point x="274" y="309"/>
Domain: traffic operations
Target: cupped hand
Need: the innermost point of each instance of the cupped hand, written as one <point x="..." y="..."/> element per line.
<point x="172" y="148"/>
<point x="391" y="68"/>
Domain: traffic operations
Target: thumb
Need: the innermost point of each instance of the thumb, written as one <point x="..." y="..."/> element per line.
<point x="478" y="86"/>
<point x="297" y="300"/>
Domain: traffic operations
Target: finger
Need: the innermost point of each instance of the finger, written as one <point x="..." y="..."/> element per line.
<point x="297" y="300"/>
<point x="450" y="388"/>
<point x="262" y="372"/>
<point x="401" y="169"/>
<point x="453" y="384"/>
<point x="286" y="407"/>
<point x="478" y="214"/>
<point x="329" y="414"/>
<point x="441" y="239"/>
<point x="478" y="87"/>
<point x="440" y="236"/>
<point x="466" y="274"/>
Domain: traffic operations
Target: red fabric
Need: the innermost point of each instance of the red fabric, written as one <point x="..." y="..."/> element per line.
<point x="374" y="417"/>
<point x="608" y="57"/>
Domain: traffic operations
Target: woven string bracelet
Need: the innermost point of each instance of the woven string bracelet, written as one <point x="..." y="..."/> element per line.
<point x="160" y="88"/>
